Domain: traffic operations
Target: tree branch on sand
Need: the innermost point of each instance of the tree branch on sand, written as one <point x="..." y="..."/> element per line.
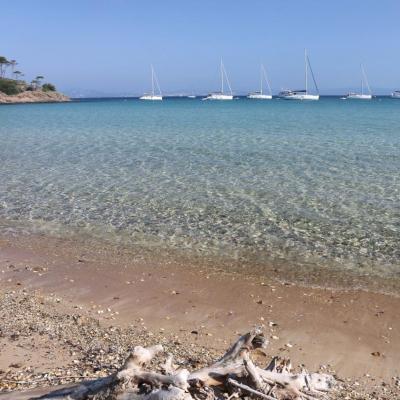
<point x="234" y="375"/>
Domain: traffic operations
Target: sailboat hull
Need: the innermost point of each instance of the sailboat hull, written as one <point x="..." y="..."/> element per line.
<point x="150" y="97"/>
<point x="219" y="96"/>
<point x="300" y="96"/>
<point x="358" y="96"/>
<point x="258" y="96"/>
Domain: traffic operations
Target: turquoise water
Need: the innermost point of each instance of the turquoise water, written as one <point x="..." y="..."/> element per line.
<point x="305" y="182"/>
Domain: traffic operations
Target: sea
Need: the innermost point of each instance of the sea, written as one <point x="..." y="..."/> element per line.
<point x="306" y="184"/>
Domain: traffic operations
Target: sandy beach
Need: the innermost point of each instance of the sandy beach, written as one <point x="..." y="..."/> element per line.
<point x="351" y="332"/>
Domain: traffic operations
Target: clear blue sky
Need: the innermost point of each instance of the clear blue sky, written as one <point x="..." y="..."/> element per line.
<point x="108" y="45"/>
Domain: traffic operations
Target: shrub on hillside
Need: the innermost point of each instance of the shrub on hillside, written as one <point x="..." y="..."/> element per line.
<point x="9" y="86"/>
<point x="48" y="87"/>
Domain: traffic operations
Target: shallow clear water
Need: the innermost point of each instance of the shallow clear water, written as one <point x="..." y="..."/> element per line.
<point x="307" y="182"/>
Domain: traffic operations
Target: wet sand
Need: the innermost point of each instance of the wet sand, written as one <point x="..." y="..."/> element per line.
<point x="354" y="332"/>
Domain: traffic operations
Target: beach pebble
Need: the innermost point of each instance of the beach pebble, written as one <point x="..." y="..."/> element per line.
<point x="15" y="365"/>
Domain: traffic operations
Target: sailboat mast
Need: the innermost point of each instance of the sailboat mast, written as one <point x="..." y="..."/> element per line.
<point x="152" y="80"/>
<point x="222" y="77"/>
<point x="364" y="77"/>
<point x="305" y="65"/>
<point x="266" y="78"/>
<point x="261" y="79"/>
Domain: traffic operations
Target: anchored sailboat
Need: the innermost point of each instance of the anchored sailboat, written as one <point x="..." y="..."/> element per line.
<point x="153" y="95"/>
<point x="260" y="95"/>
<point x="362" y="95"/>
<point x="396" y="94"/>
<point x="302" y="94"/>
<point x="221" y="95"/>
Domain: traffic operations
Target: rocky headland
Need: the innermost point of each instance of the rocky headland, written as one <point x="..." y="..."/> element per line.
<point x="33" y="97"/>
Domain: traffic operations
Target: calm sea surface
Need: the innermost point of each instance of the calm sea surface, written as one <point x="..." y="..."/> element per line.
<point x="276" y="180"/>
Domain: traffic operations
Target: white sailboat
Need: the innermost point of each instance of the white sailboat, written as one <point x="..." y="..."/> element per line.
<point x="221" y="95"/>
<point x="153" y="95"/>
<point x="302" y="94"/>
<point x="260" y="95"/>
<point x="396" y="94"/>
<point x="362" y="95"/>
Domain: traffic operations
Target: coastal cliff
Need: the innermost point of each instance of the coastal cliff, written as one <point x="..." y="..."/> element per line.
<point x="33" y="97"/>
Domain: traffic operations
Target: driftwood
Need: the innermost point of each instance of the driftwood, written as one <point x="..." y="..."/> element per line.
<point x="234" y="375"/>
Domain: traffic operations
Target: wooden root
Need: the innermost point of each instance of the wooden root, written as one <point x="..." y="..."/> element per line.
<point x="234" y="372"/>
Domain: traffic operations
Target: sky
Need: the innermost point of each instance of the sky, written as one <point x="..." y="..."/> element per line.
<point x="104" y="47"/>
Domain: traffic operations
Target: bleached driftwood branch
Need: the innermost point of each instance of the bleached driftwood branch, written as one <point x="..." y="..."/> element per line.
<point x="233" y="375"/>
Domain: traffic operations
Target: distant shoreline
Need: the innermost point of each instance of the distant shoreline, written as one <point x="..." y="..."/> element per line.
<point x="56" y="97"/>
<point x="200" y="96"/>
